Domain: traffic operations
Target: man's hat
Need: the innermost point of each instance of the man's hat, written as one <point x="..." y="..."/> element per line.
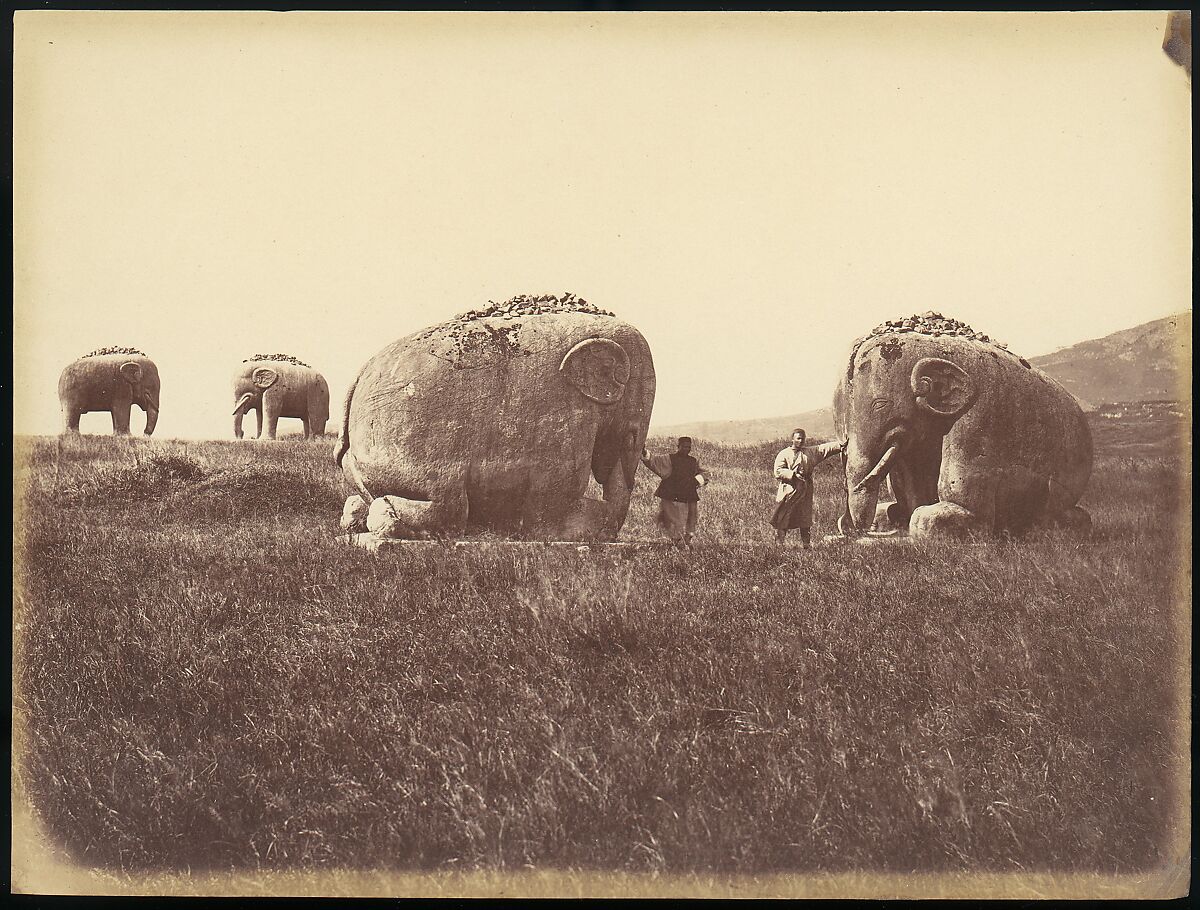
<point x="683" y="439"/>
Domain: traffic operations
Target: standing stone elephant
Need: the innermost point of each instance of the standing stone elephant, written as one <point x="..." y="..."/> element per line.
<point x="496" y="420"/>
<point x="970" y="436"/>
<point x="113" y="380"/>
<point x="279" y="385"/>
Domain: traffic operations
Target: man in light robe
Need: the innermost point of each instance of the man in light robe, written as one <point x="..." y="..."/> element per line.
<point x="678" y="494"/>
<point x="794" y="498"/>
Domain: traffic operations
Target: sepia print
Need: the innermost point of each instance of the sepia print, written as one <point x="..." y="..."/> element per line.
<point x="692" y="454"/>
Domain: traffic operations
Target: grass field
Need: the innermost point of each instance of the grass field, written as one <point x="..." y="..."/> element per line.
<point x="207" y="677"/>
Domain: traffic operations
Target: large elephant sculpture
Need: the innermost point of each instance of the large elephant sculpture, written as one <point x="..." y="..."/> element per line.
<point x="113" y="380"/>
<point x="278" y="385"/>
<point x="970" y="437"/>
<point x="495" y="420"/>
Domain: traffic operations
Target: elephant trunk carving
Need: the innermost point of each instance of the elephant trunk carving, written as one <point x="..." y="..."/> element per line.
<point x="863" y="496"/>
<point x="864" y="478"/>
<point x="614" y="465"/>
<point x="877" y="473"/>
<point x="244" y="404"/>
<point x="151" y="408"/>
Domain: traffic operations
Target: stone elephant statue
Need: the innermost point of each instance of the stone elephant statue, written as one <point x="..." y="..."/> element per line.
<point x="277" y="385"/>
<point x="113" y="380"/>
<point x="496" y="420"/>
<point x="971" y="437"/>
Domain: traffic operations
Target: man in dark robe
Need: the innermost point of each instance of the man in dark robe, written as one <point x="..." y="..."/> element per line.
<point x="678" y="494"/>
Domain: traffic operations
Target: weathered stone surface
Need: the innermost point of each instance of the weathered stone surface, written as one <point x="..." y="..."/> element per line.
<point x="279" y="385"/>
<point x="354" y="514"/>
<point x="969" y="436"/>
<point x="394" y="516"/>
<point x="110" y="379"/>
<point x="496" y="419"/>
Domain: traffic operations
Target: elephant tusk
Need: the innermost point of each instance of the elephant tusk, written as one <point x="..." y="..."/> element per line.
<point x="879" y="470"/>
<point x="242" y="402"/>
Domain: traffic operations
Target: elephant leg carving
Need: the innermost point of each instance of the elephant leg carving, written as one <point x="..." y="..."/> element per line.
<point x="613" y="464"/>
<point x="72" y="420"/>
<point x="967" y="497"/>
<point x="905" y="485"/>
<point x="120" y="419"/>
<point x="616" y="496"/>
<point x="890" y="516"/>
<point x="898" y="515"/>
<point x="416" y="519"/>
<point x="601" y="519"/>
<point x="589" y="519"/>
<point x="845" y="525"/>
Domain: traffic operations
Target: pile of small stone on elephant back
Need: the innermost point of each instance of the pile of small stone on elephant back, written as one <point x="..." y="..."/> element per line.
<point x="287" y="358"/>
<point x="526" y="305"/>
<point x="931" y="323"/>
<point x="114" y="350"/>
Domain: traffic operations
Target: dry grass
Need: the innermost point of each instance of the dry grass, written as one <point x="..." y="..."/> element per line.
<point x="207" y="677"/>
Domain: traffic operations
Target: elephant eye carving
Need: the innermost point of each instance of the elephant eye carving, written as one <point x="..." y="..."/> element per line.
<point x="881" y="404"/>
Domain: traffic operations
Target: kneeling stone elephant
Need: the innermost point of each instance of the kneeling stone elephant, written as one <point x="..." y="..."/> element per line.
<point x="495" y="420"/>
<point x="970" y="436"/>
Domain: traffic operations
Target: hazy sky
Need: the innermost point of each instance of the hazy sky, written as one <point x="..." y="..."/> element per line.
<point x="752" y="191"/>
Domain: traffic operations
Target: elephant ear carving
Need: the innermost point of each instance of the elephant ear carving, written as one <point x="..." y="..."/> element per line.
<point x="598" y="368"/>
<point x="942" y="387"/>
<point x="264" y="378"/>
<point x="132" y="372"/>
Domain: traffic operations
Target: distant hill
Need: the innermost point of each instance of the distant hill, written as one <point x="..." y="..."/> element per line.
<point x="818" y="424"/>
<point x="1148" y="362"/>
